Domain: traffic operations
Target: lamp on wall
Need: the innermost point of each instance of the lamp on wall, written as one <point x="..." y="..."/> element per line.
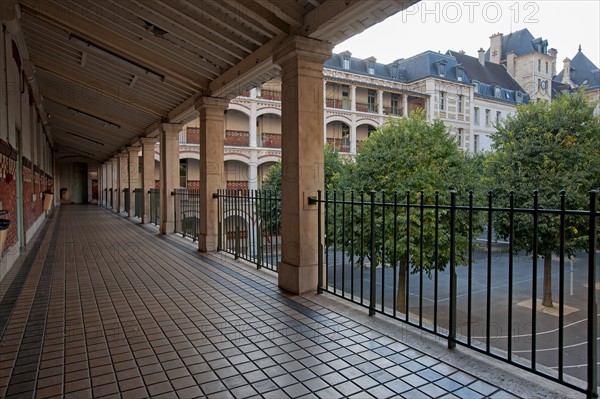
<point x="104" y="122"/>
<point x="139" y="69"/>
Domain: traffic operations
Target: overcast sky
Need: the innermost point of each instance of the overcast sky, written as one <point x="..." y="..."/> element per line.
<point x="467" y="25"/>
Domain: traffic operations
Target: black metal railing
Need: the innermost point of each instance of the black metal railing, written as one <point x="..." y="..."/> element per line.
<point x="249" y="226"/>
<point x="126" y="200"/>
<point x="110" y="199"/>
<point x="187" y="212"/>
<point x="154" y="205"/>
<point x="137" y="197"/>
<point x="442" y="268"/>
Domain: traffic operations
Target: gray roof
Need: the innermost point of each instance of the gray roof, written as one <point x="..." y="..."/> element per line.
<point x="583" y="72"/>
<point x="521" y="42"/>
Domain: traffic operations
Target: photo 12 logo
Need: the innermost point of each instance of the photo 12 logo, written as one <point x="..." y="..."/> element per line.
<point x="472" y="11"/>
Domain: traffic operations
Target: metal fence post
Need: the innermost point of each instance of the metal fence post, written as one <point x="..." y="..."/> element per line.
<point x="372" y="255"/>
<point x="592" y="345"/>
<point x="320" y="244"/>
<point x="452" y="315"/>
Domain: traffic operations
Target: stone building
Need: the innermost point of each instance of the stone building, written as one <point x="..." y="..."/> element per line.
<point x="579" y="72"/>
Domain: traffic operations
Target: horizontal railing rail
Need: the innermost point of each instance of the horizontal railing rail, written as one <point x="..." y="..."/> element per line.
<point x="249" y="224"/>
<point x="480" y="276"/>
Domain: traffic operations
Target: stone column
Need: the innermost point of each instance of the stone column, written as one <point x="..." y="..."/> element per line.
<point x="380" y="102"/>
<point x="405" y="105"/>
<point x="102" y="184"/>
<point x="352" y="98"/>
<point x="147" y="174"/>
<point x="253" y="171"/>
<point x="114" y="167"/>
<point x="123" y="179"/>
<point x="353" y="135"/>
<point x="301" y="60"/>
<point x="252" y="126"/>
<point x="212" y="176"/>
<point x="169" y="174"/>
<point x="134" y="176"/>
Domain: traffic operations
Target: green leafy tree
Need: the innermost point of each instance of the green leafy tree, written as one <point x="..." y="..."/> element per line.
<point x="411" y="155"/>
<point x="546" y="147"/>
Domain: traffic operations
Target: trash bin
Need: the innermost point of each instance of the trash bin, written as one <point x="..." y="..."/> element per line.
<point x="4" y="223"/>
<point x="64" y="194"/>
<point x="48" y="197"/>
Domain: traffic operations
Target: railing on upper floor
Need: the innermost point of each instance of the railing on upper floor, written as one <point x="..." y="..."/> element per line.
<point x="273" y="95"/>
<point x="362" y="107"/>
<point x="238" y="138"/>
<point x="400" y="255"/>
<point x="249" y="226"/>
<point x="335" y="103"/>
<point x="340" y="145"/>
<point x="270" y="140"/>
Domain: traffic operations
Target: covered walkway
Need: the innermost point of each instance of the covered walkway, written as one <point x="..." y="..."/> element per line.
<point x="101" y="306"/>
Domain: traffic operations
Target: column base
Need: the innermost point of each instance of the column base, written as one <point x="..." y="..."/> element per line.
<point x="207" y="243"/>
<point x="167" y="227"/>
<point x="297" y="279"/>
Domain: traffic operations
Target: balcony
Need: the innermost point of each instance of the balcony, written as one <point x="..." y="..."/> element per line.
<point x="273" y="95"/>
<point x="270" y="140"/>
<point x="237" y="138"/>
<point x="393" y="111"/>
<point x="362" y="107"/>
<point x="335" y="103"/>
<point x="340" y="145"/>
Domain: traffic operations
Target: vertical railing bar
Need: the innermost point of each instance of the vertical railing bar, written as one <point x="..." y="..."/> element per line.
<point x="511" y="237"/>
<point x="561" y="286"/>
<point x="278" y="221"/>
<point x="435" y="260"/>
<point x="488" y="305"/>
<point x="534" y="281"/>
<point x="372" y="255"/>
<point x="421" y="257"/>
<point x="352" y="246"/>
<point x="383" y="199"/>
<point x="362" y="246"/>
<point x="395" y="255"/>
<point x="259" y="226"/>
<point x="343" y="244"/>
<point x="219" y="219"/>
<point x="452" y="310"/>
<point x="592" y="327"/>
<point x="320" y="244"/>
<point x="335" y="206"/>
<point x="326" y="238"/>
<point x="407" y="271"/>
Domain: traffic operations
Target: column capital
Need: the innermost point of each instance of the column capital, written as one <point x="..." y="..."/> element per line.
<point x="146" y="141"/>
<point x="212" y="103"/>
<point x="123" y="155"/>
<point x="133" y="150"/>
<point x="171" y="128"/>
<point x="299" y="47"/>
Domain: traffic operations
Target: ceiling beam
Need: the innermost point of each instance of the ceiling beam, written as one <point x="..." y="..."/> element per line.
<point x="264" y="17"/>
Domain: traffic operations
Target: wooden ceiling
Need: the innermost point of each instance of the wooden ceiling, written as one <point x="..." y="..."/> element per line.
<point x="110" y="71"/>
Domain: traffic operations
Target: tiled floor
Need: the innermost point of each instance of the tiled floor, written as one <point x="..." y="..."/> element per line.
<point x="104" y="307"/>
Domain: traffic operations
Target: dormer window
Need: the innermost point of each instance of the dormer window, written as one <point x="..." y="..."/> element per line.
<point x="476" y="83"/>
<point x="441" y="68"/>
<point x="394" y="72"/>
<point x="371" y="69"/>
<point x="460" y="73"/>
<point x="346" y="60"/>
<point x="498" y="92"/>
<point x="371" y="65"/>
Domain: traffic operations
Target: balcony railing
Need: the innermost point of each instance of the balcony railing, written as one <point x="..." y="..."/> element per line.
<point x="273" y="95"/>
<point x="137" y="195"/>
<point x="340" y="145"/>
<point x="270" y="140"/>
<point x="249" y="226"/>
<point x="361" y="107"/>
<point x="438" y="266"/>
<point x="392" y="111"/>
<point x="126" y="200"/>
<point x="335" y="103"/>
<point x="154" y="205"/>
<point x="187" y="212"/>
<point x="238" y="138"/>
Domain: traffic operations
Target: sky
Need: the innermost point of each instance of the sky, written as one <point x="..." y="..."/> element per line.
<point x="467" y="25"/>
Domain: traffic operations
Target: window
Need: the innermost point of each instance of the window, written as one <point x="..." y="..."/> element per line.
<point x="371" y="100"/>
<point x="346" y="63"/>
<point x="539" y="65"/>
<point x="476" y="89"/>
<point x="371" y="70"/>
<point x="394" y="110"/>
<point x="539" y="84"/>
<point x="345" y="135"/>
<point x="546" y="66"/>
<point x="476" y="116"/>
<point x="498" y="115"/>
<point x="475" y="143"/>
<point x="345" y="98"/>
<point x="460" y="104"/>
<point x="460" y="136"/>
<point x="498" y="92"/>
<point x="183" y="173"/>
<point x="487" y="117"/>
<point x="442" y="98"/>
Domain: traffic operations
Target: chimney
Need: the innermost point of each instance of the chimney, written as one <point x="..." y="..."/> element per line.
<point x="481" y="54"/>
<point x="553" y="53"/>
<point x="510" y="63"/>
<point x="496" y="48"/>
<point x="567" y="71"/>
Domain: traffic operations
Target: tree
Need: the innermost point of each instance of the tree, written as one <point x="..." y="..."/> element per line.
<point x="269" y="206"/>
<point x="546" y="147"/>
<point x="411" y="156"/>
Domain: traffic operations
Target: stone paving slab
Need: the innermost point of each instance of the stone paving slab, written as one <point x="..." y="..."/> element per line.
<point x="110" y="309"/>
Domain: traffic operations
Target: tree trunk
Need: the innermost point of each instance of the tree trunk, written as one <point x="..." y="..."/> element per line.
<point x="547" y="301"/>
<point x="401" y="291"/>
